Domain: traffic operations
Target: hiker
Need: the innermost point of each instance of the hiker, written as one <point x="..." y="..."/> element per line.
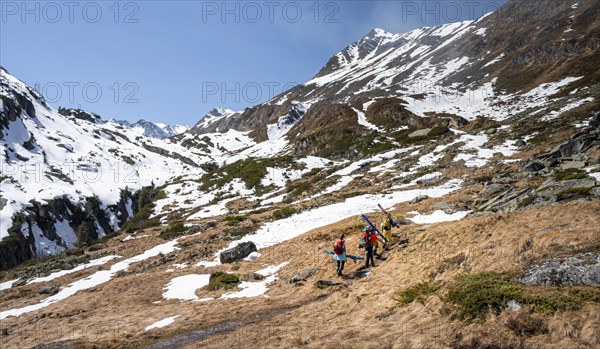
<point x="340" y="254"/>
<point x="386" y="227"/>
<point x="369" y="241"/>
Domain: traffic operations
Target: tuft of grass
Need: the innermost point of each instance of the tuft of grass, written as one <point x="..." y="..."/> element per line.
<point x="240" y="231"/>
<point x="222" y="281"/>
<point x="172" y="231"/>
<point x="284" y="212"/>
<point x="234" y="220"/>
<point x="417" y="292"/>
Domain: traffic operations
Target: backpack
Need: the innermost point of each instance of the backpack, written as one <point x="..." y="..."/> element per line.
<point x="338" y="248"/>
<point x="366" y="238"/>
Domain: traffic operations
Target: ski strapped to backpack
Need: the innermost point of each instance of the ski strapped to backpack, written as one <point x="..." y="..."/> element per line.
<point x="356" y="258"/>
<point x="373" y="226"/>
<point x="389" y="216"/>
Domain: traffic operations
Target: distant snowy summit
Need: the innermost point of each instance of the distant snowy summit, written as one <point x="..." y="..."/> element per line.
<point x="153" y="129"/>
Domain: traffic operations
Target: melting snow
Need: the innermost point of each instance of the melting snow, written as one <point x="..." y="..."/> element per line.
<point x="437" y="217"/>
<point x="162" y="323"/>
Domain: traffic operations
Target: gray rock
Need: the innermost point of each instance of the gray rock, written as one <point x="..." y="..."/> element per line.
<point x="303" y="275"/>
<point x="506" y="202"/>
<point x="491" y="131"/>
<point x="442" y="206"/>
<point x="575" y="270"/>
<point x="420" y="133"/>
<point x="97" y="247"/>
<point x="20" y="282"/>
<point x="327" y="283"/>
<point x="252" y="277"/>
<point x="513" y="306"/>
<point x="241" y="251"/>
<point x="3" y="203"/>
<point x="595" y="191"/>
<point x="520" y="143"/>
<point x="493" y="188"/>
<point x="551" y="187"/>
<point x="419" y="199"/>
<point x="534" y="166"/>
<point x="51" y="290"/>
<point x="572" y="165"/>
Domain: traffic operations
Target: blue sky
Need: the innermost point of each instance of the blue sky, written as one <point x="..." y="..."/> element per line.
<point x="172" y="61"/>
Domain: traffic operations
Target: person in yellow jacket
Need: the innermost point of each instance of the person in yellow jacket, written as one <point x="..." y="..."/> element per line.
<point x="386" y="228"/>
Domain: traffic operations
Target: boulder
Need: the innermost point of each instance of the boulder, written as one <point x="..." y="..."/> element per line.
<point x="51" y="290"/>
<point x="491" y="131"/>
<point x="581" y="269"/>
<point x="492" y="189"/>
<point x="327" y="283"/>
<point x="252" y="277"/>
<point x="520" y="143"/>
<point x="419" y="199"/>
<point x="572" y="165"/>
<point x="534" y="166"/>
<point x="241" y="251"/>
<point x="420" y="133"/>
<point x="302" y="276"/>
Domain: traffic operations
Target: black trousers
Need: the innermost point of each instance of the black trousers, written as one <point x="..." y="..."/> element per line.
<point x="369" y="256"/>
<point x="340" y="266"/>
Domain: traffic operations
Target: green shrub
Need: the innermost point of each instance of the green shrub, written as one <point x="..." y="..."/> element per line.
<point x="240" y="231"/>
<point x="284" y="212"/>
<point x="417" y="292"/>
<point x="234" y="220"/>
<point x="438" y="131"/>
<point x="476" y="294"/>
<point x="174" y="230"/>
<point x="222" y="281"/>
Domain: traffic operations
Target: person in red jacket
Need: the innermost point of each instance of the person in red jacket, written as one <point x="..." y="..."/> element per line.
<point x="369" y="240"/>
<point x="340" y="254"/>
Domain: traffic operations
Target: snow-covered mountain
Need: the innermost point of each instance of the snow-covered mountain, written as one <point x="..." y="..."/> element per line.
<point x="76" y="157"/>
<point x="383" y="96"/>
<point x="487" y="68"/>
<point x="153" y="129"/>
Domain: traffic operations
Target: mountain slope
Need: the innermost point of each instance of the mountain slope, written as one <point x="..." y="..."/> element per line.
<point x="488" y="68"/>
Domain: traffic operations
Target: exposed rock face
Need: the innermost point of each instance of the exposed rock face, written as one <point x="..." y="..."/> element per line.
<point x="84" y="223"/>
<point x="577" y="270"/>
<point x="239" y="252"/>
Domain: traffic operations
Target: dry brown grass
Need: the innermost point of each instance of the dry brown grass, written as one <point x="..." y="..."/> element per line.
<point x="363" y="314"/>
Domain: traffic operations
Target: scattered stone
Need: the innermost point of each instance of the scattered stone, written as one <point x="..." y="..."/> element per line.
<point x="303" y="275"/>
<point x="534" y="166"/>
<point x="442" y="206"/>
<point x="66" y="266"/>
<point x="513" y="306"/>
<point x="51" y="290"/>
<point x="419" y="199"/>
<point x="572" y="165"/>
<point x="327" y="283"/>
<point x="420" y="133"/>
<point x="97" y="247"/>
<point x="241" y="251"/>
<point x="20" y="282"/>
<point x="252" y="277"/>
<point x="493" y="189"/>
<point x="520" y="143"/>
<point x="577" y="270"/>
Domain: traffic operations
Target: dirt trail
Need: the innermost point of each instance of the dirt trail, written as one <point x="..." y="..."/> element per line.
<point x="191" y="337"/>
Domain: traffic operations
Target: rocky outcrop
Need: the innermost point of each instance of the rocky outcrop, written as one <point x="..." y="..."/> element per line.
<point x="241" y="251"/>
<point x="85" y="221"/>
<point x="582" y="269"/>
